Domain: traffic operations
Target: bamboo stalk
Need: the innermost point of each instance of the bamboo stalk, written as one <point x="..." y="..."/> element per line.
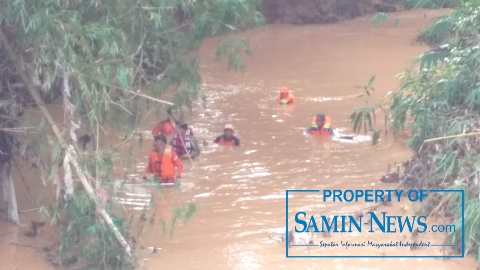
<point x="448" y="137"/>
<point x="29" y="210"/>
<point x="56" y="131"/>
<point x="20" y="129"/>
<point x="151" y="98"/>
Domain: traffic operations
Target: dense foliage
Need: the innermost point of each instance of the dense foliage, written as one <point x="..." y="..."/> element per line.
<point x="440" y="101"/>
<point x="94" y="57"/>
<point x="431" y="3"/>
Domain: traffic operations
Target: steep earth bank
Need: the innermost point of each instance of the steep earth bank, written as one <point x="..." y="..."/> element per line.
<point x="323" y="11"/>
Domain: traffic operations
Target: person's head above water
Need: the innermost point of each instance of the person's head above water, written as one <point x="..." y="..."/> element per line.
<point x="320" y="120"/>
<point x="160" y="142"/>
<point x="182" y="128"/>
<point x="284" y="91"/>
<point x="228" y="131"/>
<point x="172" y="113"/>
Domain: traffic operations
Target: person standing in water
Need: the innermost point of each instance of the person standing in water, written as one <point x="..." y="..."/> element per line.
<point x="321" y="125"/>
<point x="285" y="97"/>
<point x="163" y="161"/>
<point x="227" y="137"/>
<point x="166" y="127"/>
<point x="184" y="143"/>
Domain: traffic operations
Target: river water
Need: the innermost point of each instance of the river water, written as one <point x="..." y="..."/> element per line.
<point x="240" y="192"/>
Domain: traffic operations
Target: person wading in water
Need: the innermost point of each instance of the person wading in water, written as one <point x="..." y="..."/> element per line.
<point x="285" y="97"/>
<point x="227" y="138"/>
<point x="163" y="161"/>
<point x="166" y="127"/>
<point x="184" y="143"/>
<point x="321" y="125"/>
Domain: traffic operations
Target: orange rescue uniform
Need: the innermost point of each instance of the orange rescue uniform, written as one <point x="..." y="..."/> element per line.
<point x="289" y="99"/>
<point x="164" y="127"/>
<point x="326" y="129"/>
<point x="163" y="165"/>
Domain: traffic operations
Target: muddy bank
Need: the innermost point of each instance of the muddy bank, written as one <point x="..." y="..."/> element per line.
<point x="323" y="11"/>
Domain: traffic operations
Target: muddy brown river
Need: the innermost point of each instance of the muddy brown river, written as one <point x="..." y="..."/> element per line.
<point x="240" y="192"/>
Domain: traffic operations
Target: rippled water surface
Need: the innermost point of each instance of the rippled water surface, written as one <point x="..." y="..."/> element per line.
<point x="241" y="191"/>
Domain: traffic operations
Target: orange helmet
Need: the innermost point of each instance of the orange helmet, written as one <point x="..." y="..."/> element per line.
<point x="284" y="90"/>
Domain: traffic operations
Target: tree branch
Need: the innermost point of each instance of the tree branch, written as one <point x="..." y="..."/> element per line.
<point x="21" y="130"/>
<point x="57" y="133"/>
<point x="151" y="98"/>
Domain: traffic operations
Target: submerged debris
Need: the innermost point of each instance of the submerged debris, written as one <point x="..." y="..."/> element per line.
<point x="34" y="228"/>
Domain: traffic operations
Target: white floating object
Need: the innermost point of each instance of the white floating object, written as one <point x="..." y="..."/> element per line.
<point x="202" y="195"/>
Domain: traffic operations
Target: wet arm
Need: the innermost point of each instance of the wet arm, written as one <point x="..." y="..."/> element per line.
<point x="217" y="140"/>
<point x="237" y="141"/>
<point x="309" y="130"/>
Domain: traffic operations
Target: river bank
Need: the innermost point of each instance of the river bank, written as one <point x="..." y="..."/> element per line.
<point x="323" y="11"/>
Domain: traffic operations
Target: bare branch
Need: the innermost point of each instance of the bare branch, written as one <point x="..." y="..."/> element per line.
<point x="20" y="130"/>
<point x="151" y="98"/>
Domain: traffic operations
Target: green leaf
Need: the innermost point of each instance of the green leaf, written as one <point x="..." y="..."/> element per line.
<point x="352" y="116"/>
<point x="358" y="122"/>
<point x="365" y="116"/>
<point x="369" y="121"/>
<point x="370" y="81"/>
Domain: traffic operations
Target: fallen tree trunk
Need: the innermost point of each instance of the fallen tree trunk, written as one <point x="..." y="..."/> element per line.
<point x="56" y="131"/>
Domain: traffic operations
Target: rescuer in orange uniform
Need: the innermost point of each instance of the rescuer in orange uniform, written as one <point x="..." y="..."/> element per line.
<point x="285" y="97"/>
<point x="163" y="161"/>
<point x="321" y="125"/>
<point x="227" y="138"/>
<point x="166" y="127"/>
